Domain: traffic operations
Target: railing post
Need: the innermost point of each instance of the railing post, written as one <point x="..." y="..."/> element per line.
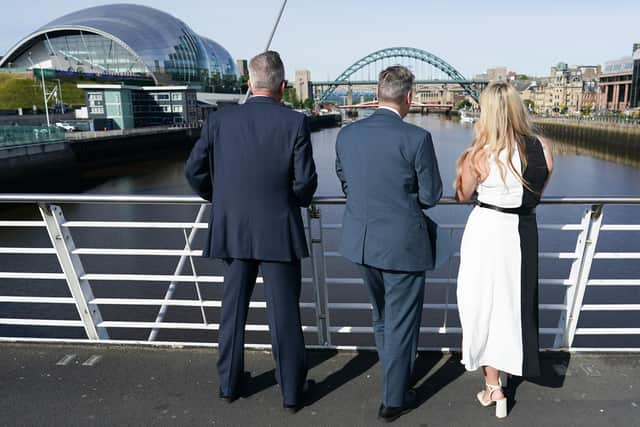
<point x="74" y="271"/>
<point x="181" y="263"/>
<point x="581" y="271"/>
<point x="573" y="278"/>
<point x="318" y="271"/>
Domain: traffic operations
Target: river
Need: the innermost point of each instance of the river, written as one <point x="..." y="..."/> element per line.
<point x="576" y="174"/>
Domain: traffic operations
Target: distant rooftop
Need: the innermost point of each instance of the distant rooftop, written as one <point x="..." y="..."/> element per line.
<point x="618" y="66"/>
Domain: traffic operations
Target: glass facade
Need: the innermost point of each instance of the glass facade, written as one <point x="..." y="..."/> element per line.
<point x="635" y="84"/>
<point x="126" y="39"/>
<point x="130" y="107"/>
<point x="80" y="52"/>
<point x="164" y="108"/>
<point x="635" y="77"/>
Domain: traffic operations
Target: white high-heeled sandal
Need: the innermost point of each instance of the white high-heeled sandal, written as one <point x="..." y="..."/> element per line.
<point x="501" y="404"/>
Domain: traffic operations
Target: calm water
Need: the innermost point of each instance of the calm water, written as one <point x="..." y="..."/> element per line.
<point x="576" y="174"/>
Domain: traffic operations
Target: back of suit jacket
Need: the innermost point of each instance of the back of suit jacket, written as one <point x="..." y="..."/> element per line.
<point x="389" y="173"/>
<point x="263" y="173"/>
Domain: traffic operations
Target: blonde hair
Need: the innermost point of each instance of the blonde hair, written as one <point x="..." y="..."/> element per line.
<point x="504" y="125"/>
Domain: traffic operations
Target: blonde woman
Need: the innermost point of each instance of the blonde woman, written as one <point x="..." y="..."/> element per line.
<point x="508" y="167"/>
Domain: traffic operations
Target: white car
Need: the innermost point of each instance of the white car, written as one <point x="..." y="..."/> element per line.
<point x="66" y="126"/>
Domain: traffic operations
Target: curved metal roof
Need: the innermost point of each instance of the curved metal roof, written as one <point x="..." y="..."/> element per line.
<point x="156" y="37"/>
<point x="215" y="50"/>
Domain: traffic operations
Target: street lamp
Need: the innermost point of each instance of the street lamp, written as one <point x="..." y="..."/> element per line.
<point x="60" y="95"/>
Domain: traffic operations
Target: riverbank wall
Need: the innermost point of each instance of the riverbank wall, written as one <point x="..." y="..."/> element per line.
<point x="607" y="139"/>
<point x="319" y="122"/>
<point x="33" y="166"/>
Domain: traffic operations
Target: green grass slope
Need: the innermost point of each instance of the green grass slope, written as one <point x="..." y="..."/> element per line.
<point x="23" y="92"/>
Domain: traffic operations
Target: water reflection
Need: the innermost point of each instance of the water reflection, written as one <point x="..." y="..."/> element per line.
<point x="629" y="158"/>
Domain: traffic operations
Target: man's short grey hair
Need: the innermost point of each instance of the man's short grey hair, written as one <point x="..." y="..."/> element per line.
<point x="266" y="71"/>
<point x="394" y="83"/>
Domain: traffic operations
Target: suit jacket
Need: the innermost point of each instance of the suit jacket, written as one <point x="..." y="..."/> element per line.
<point x="255" y="163"/>
<point x="389" y="174"/>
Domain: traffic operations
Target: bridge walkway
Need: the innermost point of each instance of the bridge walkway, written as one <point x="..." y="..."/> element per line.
<point x="80" y="385"/>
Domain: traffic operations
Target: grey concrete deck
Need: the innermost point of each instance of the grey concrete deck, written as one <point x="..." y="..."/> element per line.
<point x="134" y="386"/>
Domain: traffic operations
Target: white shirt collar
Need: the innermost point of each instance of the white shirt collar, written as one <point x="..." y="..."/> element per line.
<point x="384" y="107"/>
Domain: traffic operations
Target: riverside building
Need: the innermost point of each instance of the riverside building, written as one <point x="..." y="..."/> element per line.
<point x="125" y="42"/>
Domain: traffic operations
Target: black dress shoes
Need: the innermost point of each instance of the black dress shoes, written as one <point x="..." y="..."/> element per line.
<point x="391" y="413"/>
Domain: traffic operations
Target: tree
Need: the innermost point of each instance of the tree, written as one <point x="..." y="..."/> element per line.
<point x="462" y="104"/>
<point x="291" y="97"/>
<point x="244" y="84"/>
<point x="586" y="109"/>
<point x="308" y="103"/>
<point x="529" y="104"/>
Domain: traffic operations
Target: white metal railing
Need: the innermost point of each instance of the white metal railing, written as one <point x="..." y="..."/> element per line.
<point x="84" y="309"/>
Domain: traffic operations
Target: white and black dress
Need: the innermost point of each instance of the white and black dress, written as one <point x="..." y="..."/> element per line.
<point x="498" y="277"/>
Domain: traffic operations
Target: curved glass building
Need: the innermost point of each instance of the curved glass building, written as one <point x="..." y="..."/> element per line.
<point x="125" y="40"/>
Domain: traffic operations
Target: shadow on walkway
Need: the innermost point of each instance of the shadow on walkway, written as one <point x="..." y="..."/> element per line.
<point x="553" y="368"/>
<point x="356" y="366"/>
<point x="433" y="372"/>
<point x="359" y="364"/>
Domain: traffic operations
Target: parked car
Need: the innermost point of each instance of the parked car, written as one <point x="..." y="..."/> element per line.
<point x="66" y="126"/>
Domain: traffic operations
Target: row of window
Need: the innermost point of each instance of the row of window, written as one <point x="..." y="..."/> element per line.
<point x="159" y="96"/>
<point x="158" y="109"/>
<point x="140" y="109"/>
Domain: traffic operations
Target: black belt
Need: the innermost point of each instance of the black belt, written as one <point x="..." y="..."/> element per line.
<point x="516" y="211"/>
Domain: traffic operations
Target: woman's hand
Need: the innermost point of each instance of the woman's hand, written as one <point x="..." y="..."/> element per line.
<point x="469" y="175"/>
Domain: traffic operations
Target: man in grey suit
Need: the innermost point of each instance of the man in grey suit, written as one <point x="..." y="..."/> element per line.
<point x="255" y="163"/>
<point x="389" y="173"/>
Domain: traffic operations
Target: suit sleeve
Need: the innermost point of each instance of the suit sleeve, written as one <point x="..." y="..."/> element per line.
<point x="428" y="173"/>
<point x="339" y="170"/>
<point x="305" y="180"/>
<point x="199" y="167"/>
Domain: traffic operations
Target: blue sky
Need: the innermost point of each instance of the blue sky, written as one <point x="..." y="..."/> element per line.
<point x="327" y="36"/>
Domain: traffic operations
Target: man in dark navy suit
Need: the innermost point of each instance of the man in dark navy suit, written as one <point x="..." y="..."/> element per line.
<point x="389" y="174"/>
<point x="255" y="163"/>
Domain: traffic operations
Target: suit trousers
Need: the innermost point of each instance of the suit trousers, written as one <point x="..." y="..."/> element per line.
<point x="282" y="283"/>
<point x="397" y="299"/>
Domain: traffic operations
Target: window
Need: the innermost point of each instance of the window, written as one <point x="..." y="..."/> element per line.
<point x="161" y="96"/>
<point x="177" y="108"/>
<point x="96" y="110"/>
<point x="95" y="99"/>
<point x="176" y="96"/>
